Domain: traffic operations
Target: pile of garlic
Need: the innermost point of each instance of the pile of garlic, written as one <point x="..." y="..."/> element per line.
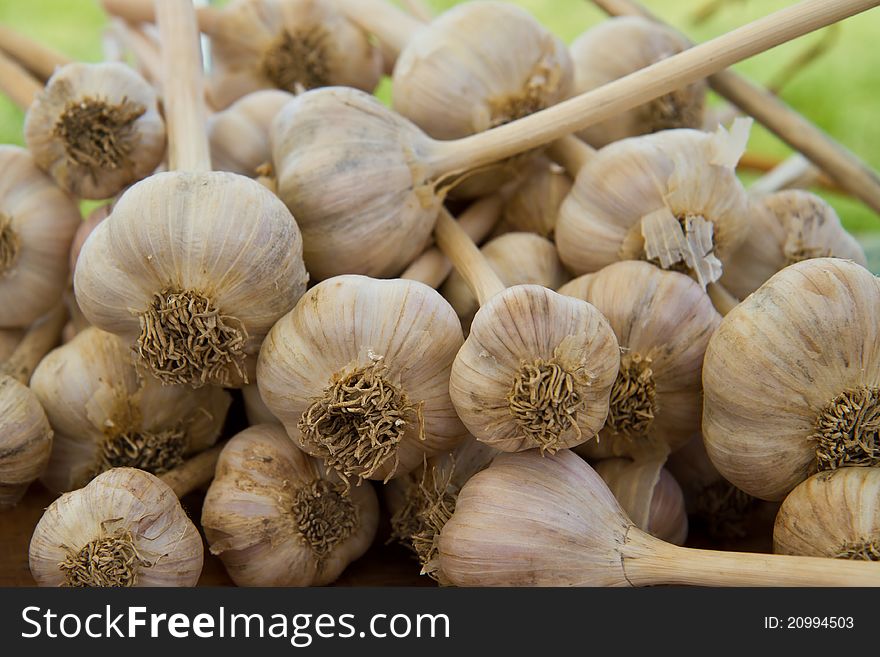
<point x="275" y="303"/>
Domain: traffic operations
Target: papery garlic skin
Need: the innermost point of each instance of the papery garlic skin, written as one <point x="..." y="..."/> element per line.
<point x="190" y="246"/>
<point x="832" y="514"/>
<point x="672" y="198"/>
<point x="794" y="365"/>
<point x="519" y="338"/>
<point x="397" y="336"/>
<point x="518" y="259"/>
<point x="788" y="227"/>
<point x="534" y="205"/>
<point x="37" y="225"/>
<point x="382" y="209"/>
<point x="292" y="45"/>
<point x="25" y="440"/>
<point x="276" y="517"/>
<point x="134" y="524"/>
<point x="619" y="46"/>
<point x="254" y="408"/>
<point x="525" y="505"/>
<point x="95" y="129"/>
<point x="105" y="413"/>
<point x="663" y="322"/>
<point x="239" y="135"/>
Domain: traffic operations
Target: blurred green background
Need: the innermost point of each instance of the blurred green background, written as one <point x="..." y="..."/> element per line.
<point x="839" y="91"/>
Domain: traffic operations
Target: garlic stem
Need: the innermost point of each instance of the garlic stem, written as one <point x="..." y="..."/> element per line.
<point x="40" y="338"/>
<point x="722" y="299"/>
<point x="571" y="153"/>
<point x="144" y="49"/>
<point x="195" y="473"/>
<point x="782" y="176"/>
<point x="17" y="83"/>
<point x="482" y="280"/>
<point x="648" y="561"/>
<point x="644" y="85"/>
<point x="143" y="11"/>
<point x="419" y="9"/>
<point x="392" y="26"/>
<point x="184" y="94"/>
<point x="432" y="267"/>
<point x="843" y="166"/>
<point x="34" y="56"/>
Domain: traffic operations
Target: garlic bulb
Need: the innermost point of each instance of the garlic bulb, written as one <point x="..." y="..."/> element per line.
<point x="95" y="129"/>
<point x="663" y="321"/>
<point x="37" y="224"/>
<point x="649" y="495"/>
<point x="254" y="408"/>
<point x="832" y="514"/>
<point x="422" y="502"/>
<point x="9" y="338"/>
<point x="788" y="227"/>
<point x="277" y="517"/>
<point x="529" y="520"/>
<point x="106" y="414"/>
<point x="125" y="528"/>
<point x="292" y="45"/>
<point x="517" y="258"/>
<point x="25" y="440"/>
<point x="358" y="374"/>
<point x="792" y="376"/>
<point x="85" y="229"/>
<point x="239" y="135"/>
<point x="619" y="46"/>
<point x="671" y="198"/>
<point x="534" y="206"/>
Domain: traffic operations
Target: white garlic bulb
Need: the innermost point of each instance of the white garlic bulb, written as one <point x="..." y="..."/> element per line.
<point x="95" y="129"/>
<point x="533" y="207"/>
<point x="107" y="414"/>
<point x="619" y="46"/>
<point x="671" y="198"/>
<point x="25" y="440"/>
<point x="277" y="517"/>
<point x="125" y="528"/>
<point x="37" y="225"/>
<point x="358" y="374"/>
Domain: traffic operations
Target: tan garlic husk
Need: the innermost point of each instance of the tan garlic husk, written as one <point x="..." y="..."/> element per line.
<point x="125" y="528"/>
<point x="254" y="408"/>
<point x="791" y="378"/>
<point x="517" y="258"/>
<point x="617" y="47"/>
<point x="37" y="225"/>
<point x="650" y="496"/>
<point x="25" y="440"/>
<point x="239" y="135"/>
<point x="107" y="414"/>
<point x="528" y="520"/>
<point x="787" y="227"/>
<point x="671" y="198"/>
<point x="96" y="128"/>
<point x="663" y="321"/>
<point x="277" y="517"/>
<point x="832" y="514"/>
<point x="533" y="207"/>
<point x="423" y="501"/>
<point x="384" y="347"/>
<point x="292" y="45"/>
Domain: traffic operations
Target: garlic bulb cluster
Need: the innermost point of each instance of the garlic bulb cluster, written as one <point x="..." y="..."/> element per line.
<point x="277" y="517"/>
<point x="95" y="129"/>
<point x="832" y="514"/>
<point x="125" y="528"/>
<point x="106" y="414"/>
<point x="517" y="258"/>
<point x="787" y="227"/>
<point x="671" y="198"/>
<point x="663" y="321"/>
<point x="617" y="47"/>
<point x="358" y="374"/>
<point x="533" y="207"/>
<point x="292" y="45"/>
<point x="37" y="225"/>
<point x="25" y="440"/>
<point x="239" y="135"/>
<point x="792" y="376"/>
<point x="650" y="496"/>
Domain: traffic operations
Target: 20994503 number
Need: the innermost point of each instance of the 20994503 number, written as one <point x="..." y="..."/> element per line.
<point x="809" y="622"/>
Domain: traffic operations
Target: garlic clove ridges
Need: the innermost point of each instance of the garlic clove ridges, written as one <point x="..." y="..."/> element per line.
<point x="25" y="440"/>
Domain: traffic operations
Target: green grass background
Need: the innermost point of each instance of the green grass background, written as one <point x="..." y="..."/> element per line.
<point x="839" y="92"/>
